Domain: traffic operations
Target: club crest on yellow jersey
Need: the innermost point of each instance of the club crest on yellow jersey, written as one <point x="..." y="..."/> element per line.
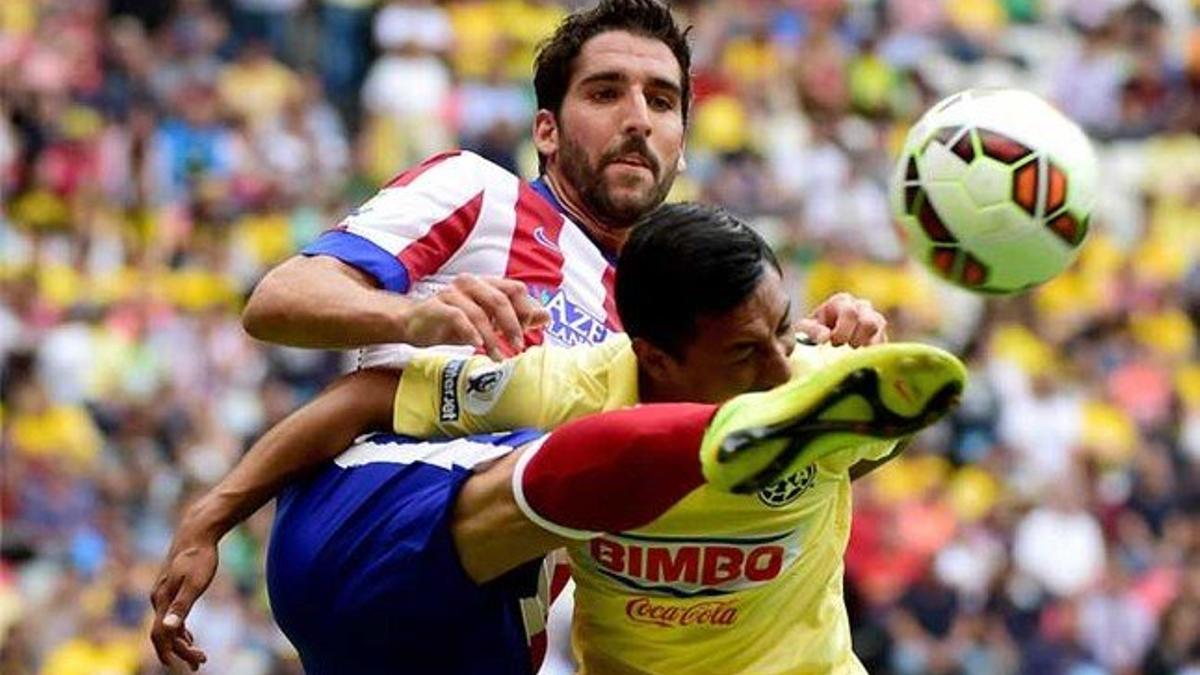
<point x="789" y="488"/>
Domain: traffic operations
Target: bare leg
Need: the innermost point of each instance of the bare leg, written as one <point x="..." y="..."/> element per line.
<point x="491" y="532"/>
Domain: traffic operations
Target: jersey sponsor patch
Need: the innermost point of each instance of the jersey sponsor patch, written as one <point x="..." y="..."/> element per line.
<point x="688" y="567"/>
<point x="667" y="614"/>
<point x="484" y="387"/>
<point x="571" y="324"/>
<point x="448" y="410"/>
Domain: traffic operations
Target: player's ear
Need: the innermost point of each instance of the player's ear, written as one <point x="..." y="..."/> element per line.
<point x="657" y="364"/>
<point x="545" y="133"/>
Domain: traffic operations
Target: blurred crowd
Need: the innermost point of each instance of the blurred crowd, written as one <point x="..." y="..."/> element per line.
<point x="157" y="156"/>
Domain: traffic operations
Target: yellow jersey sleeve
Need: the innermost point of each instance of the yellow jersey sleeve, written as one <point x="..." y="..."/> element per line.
<point x="542" y="387"/>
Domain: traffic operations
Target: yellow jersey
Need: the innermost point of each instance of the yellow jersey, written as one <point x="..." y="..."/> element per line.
<point x="720" y="583"/>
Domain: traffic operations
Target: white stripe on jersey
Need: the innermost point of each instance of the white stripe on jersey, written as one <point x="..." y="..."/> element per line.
<point x="559" y="658"/>
<point x="461" y="452"/>
<point x="583" y="270"/>
<point x="486" y="249"/>
<point x="397" y="216"/>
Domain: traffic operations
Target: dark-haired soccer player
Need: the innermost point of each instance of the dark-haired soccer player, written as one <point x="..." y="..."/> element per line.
<point x="725" y="526"/>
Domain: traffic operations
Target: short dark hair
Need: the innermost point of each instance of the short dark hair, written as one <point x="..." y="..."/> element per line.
<point x="648" y="18"/>
<point x="682" y="262"/>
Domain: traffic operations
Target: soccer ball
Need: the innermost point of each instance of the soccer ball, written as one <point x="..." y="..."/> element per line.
<point x="994" y="189"/>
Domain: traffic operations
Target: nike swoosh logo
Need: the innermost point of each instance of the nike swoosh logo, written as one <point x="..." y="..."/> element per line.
<point x="540" y="235"/>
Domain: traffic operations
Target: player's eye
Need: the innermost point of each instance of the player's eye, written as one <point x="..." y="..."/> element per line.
<point x="662" y="103"/>
<point x="742" y="355"/>
<point x="604" y="95"/>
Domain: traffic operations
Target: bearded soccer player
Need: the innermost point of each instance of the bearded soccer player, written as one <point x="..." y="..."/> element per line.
<point x="724" y="526"/>
<point x="419" y="263"/>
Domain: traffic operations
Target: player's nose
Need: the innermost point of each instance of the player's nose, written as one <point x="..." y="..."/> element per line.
<point x="777" y="368"/>
<point x="637" y="115"/>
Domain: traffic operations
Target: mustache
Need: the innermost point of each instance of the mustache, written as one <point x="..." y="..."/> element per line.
<point x="632" y="145"/>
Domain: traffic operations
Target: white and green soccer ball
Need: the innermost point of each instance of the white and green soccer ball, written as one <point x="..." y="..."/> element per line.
<point x="994" y="189"/>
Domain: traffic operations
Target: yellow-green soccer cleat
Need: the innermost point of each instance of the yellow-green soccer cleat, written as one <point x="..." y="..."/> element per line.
<point x="873" y="394"/>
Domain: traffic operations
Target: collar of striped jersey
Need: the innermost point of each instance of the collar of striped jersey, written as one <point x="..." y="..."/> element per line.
<point x="542" y="187"/>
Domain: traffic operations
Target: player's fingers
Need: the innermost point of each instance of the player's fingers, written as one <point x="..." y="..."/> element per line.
<point x="483" y="292"/>
<point x="462" y="329"/>
<point x="877" y="325"/>
<point x="190" y="655"/>
<point x="863" y="335"/>
<point x="162" y="633"/>
<point x="499" y="307"/>
<point x="181" y="605"/>
<point x="162" y="643"/>
<point x="829" y="311"/>
<point x="843" y="328"/>
<point x="813" y="330"/>
<point x="480" y="324"/>
<point x="869" y="325"/>
<point x="448" y="313"/>
<point x="538" y="316"/>
<point x="507" y="286"/>
<point x="531" y="315"/>
<point x="529" y="312"/>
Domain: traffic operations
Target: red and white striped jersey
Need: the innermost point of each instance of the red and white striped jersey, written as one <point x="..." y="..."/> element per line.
<point x="457" y="212"/>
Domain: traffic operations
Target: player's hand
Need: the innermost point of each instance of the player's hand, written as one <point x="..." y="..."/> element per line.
<point x="185" y="575"/>
<point x="845" y="320"/>
<point x="486" y="312"/>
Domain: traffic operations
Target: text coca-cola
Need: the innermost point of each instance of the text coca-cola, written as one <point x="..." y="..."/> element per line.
<point x="718" y="613"/>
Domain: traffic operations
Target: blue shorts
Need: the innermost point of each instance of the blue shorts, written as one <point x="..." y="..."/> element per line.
<point x="362" y="571"/>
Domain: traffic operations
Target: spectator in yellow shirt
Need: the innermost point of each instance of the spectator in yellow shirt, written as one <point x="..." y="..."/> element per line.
<point x="256" y="86"/>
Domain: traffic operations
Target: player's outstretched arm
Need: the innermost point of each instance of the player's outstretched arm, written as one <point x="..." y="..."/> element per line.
<point x="321" y="302"/>
<point x="355" y="404"/>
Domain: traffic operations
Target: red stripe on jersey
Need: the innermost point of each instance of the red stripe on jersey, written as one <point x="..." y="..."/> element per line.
<point x="427" y="254"/>
<point x="610" y="298"/>
<point x="415" y="172"/>
<point x="537" y="649"/>
<point x="533" y="255"/>
<point x="562" y="574"/>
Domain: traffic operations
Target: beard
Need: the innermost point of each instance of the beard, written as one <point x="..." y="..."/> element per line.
<point x="594" y="192"/>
